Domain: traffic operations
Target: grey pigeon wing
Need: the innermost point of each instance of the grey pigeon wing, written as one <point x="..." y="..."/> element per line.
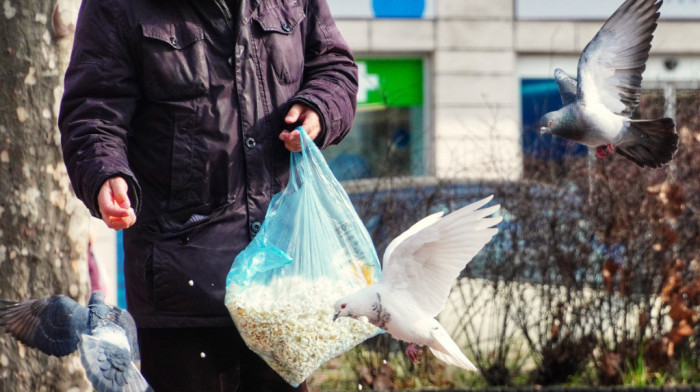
<point x="108" y="365"/>
<point x="611" y="66"/>
<point x="568" y="86"/>
<point x="50" y="324"/>
<point x="126" y="322"/>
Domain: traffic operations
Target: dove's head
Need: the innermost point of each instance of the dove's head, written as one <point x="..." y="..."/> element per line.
<point x="357" y="305"/>
<point x="341" y="309"/>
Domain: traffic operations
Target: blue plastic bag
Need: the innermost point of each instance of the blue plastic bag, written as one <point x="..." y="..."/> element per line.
<point x="311" y="250"/>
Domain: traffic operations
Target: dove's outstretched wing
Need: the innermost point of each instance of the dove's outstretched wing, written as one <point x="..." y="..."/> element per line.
<point x="106" y="357"/>
<point x="567" y="86"/>
<point x="50" y="324"/>
<point x="426" y="259"/>
<point x="611" y="66"/>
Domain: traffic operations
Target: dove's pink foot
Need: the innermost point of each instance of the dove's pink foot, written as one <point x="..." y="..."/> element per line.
<point x="413" y="352"/>
<point x="603" y="151"/>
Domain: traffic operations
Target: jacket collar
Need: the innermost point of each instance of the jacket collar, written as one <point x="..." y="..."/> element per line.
<point x="246" y="9"/>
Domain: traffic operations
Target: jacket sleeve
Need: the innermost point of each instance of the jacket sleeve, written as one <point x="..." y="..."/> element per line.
<point x="100" y="94"/>
<point x="330" y="75"/>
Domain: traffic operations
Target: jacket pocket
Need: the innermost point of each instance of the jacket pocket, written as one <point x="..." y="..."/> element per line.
<point x="282" y="40"/>
<point x="187" y="178"/>
<point x="174" y="61"/>
<point x="190" y="269"/>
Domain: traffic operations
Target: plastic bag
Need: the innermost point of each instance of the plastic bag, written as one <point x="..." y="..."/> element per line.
<point x="311" y="249"/>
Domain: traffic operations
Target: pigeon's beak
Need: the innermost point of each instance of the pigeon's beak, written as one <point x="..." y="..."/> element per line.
<point x="544" y="124"/>
<point x="335" y="316"/>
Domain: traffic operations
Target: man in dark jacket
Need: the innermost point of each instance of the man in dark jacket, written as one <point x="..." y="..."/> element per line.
<point x="175" y="126"/>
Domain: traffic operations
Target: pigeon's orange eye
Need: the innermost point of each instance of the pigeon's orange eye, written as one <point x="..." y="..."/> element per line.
<point x="550" y="122"/>
<point x="342" y="306"/>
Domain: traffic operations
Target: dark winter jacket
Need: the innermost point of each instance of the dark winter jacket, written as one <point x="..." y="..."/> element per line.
<point x="185" y="99"/>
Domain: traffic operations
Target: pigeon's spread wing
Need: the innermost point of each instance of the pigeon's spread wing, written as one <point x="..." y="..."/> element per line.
<point x="427" y="258"/>
<point x="49" y="324"/>
<point x="611" y="66"/>
<point x="567" y="86"/>
<point x="126" y="322"/>
<point x="107" y="362"/>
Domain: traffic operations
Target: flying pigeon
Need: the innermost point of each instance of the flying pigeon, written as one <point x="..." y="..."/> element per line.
<point x="419" y="268"/>
<point x="105" y="336"/>
<point x="599" y="102"/>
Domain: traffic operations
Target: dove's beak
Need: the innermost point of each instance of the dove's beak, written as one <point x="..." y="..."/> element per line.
<point x="335" y="316"/>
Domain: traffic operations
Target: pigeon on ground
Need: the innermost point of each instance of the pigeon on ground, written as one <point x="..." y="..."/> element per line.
<point x="419" y="268"/>
<point x="105" y="336"/>
<point x="598" y="103"/>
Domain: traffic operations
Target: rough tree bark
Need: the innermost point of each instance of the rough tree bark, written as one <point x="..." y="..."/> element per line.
<point x="43" y="228"/>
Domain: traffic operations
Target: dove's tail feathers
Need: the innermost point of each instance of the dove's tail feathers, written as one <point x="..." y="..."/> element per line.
<point x="446" y="350"/>
<point x="450" y="359"/>
<point x="109" y="367"/>
<point x="654" y="142"/>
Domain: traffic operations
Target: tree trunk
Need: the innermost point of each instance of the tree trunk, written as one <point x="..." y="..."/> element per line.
<point x="43" y="227"/>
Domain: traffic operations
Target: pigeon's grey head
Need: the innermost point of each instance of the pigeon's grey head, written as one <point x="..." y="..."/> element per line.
<point x="562" y="122"/>
<point x="97" y="297"/>
<point x="549" y="121"/>
<point x="357" y="305"/>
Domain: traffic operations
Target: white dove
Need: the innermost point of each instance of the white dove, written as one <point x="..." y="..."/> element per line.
<point x="419" y="268"/>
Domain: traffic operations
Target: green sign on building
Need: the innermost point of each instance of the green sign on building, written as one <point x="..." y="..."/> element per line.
<point x="390" y="82"/>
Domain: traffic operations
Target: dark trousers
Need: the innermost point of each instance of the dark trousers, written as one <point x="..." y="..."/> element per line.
<point x="204" y="360"/>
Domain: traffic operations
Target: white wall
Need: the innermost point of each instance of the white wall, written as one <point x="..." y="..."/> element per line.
<point x="472" y="101"/>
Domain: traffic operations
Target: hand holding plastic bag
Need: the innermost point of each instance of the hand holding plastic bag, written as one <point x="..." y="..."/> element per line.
<point x="312" y="249"/>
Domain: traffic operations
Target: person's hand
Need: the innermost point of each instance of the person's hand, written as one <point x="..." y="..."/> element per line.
<point x="114" y="204"/>
<point x="310" y="122"/>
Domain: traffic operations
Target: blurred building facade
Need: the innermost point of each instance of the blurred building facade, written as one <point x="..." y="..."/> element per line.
<point x="487" y="75"/>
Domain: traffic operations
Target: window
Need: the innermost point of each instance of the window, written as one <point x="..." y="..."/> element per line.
<point x="387" y="136"/>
